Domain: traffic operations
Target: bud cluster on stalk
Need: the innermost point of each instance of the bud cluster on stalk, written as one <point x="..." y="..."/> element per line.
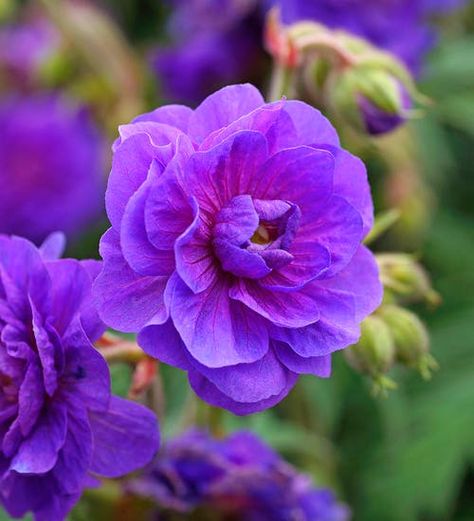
<point x="394" y="334"/>
<point x="361" y="86"/>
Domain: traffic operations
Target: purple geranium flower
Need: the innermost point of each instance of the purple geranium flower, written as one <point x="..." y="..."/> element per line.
<point x="398" y="26"/>
<point x="208" y="50"/>
<point x="51" y="167"/>
<point x="238" y="477"/>
<point x="235" y="248"/>
<point x="59" y="425"/>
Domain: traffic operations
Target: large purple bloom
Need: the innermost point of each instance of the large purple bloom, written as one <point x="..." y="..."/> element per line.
<point x="235" y="248"/>
<point x="51" y="167"/>
<point x="238" y="477"/>
<point x="398" y="26"/>
<point x="59" y="425"/>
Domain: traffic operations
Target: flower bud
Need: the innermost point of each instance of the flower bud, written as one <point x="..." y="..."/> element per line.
<point x="406" y="278"/>
<point x="371" y="99"/>
<point x="411" y="339"/>
<point x="374" y="353"/>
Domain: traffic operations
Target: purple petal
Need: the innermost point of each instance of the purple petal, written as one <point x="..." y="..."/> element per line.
<point x="301" y="175"/>
<point x="361" y="279"/>
<point x="309" y="261"/>
<point x="39" y="452"/>
<point x="222" y="108"/>
<point x="285" y="124"/>
<point x="344" y="301"/>
<point x="124" y="299"/>
<point x="237" y="221"/>
<point x="337" y="327"/>
<point x="295" y="309"/>
<point x="138" y="251"/>
<point x="241" y="262"/>
<point x="209" y="392"/>
<point x="86" y="373"/>
<point x="71" y="285"/>
<point x="216" y="331"/>
<point x="339" y="229"/>
<point x="161" y="136"/>
<point x="162" y="341"/>
<point x="20" y="493"/>
<point x="195" y="261"/>
<point x="90" y="320"/>
<point x="22" y="275"/>
<point x="174" y="115"/>
<point x="30" y="398"/>
<point x="265" y="119"/>
<point x="53" y="246"/>
<point x="215" y="176"/>
<point x="49" y="350"/>
<point x="350" y="182"/>
<point x="75" y="457"/>
<point x="249" y="383"/>
<point x="315" y="365"/>
<point x="310" y="127"/>
<point x="130" y="166"/>
<point x="167" y="209"/>
<point x="125" y="438"/>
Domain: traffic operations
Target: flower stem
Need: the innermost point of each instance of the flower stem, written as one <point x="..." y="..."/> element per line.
<point x="116" y="349"/>
<point x="383" y="222"/>
<point x="211" y="418"/>
<point x="282" y="82"/>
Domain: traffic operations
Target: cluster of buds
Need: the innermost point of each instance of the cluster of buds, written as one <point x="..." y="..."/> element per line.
<point x="393" y="334"/>
<point x="360" y="85"/>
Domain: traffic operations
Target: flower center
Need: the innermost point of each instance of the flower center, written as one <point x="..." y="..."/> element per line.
<point x="252" y="237"/>
<point x="261" y="235"/>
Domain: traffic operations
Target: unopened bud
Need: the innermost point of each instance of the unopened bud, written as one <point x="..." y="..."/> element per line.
<point x="371" y="99"/>
<point x="374" y="354"/>
<point x="406" y="278"/>
<point x="411" y="339"/>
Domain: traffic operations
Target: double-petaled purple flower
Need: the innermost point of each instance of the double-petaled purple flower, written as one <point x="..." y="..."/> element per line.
<point x="59" y="425"/>
<point x="238" y="477"/>
<point x="51" y="167"/>
<point x="398" y="26"/>
<point x="235" y="248"/>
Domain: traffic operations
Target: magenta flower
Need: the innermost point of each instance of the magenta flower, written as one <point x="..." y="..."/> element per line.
<point x="235" y="248"/>
<point x="59" y="424"/>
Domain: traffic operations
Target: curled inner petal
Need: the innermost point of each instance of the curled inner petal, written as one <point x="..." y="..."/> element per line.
<point x="251" y="237"/>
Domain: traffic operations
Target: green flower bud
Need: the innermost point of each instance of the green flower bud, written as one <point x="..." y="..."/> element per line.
<point x="374" y="354"/>
<point x="406" y="278"/>
<point x="369" y="98"/>
<point x="411" y="339"/>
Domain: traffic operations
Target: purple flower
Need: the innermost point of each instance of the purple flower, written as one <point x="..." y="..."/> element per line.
<point x="59" y="425"/>
<point x="398" y="26"/>
<point x="235" y="248"/>
<point x="208" y="51"/>
<point x="51" y="166"/>
<point x="239" y="476"/>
